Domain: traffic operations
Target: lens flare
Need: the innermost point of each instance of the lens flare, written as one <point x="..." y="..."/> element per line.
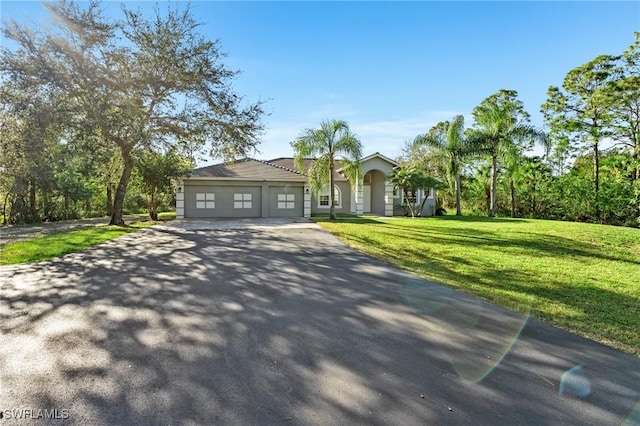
<point x="634" y="417"/>
<point x="479" y="336"/>
<point x="574" y="382"/>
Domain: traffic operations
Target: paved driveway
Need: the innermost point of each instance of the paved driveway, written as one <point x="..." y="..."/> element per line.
<point x="277" y="322"/>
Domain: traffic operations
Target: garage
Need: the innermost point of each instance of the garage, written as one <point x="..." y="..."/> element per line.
<point x="286" y="201"/>
<point x="243" y="189"/>
<point x="213" y="201"/>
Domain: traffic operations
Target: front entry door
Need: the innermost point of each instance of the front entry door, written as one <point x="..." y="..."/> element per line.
<point x="366" y="199"/>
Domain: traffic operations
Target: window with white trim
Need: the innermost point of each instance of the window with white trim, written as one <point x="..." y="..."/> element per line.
<point x="323" y="197"/>
<point x="241" y="201"/>
<point x="286" y="201"/>
<point x="411" y="197"/>
<point x="205" y="200"/>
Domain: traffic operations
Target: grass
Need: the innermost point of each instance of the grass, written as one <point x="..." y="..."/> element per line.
<point x="581" y="277"/>
<point x="61" y="243"/>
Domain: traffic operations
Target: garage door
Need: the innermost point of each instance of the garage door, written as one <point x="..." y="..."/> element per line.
<point x="204" y="201"/>
<point x="286" y="201"/>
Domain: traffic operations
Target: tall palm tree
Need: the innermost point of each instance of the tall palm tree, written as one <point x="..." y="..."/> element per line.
<point x="500" y="120"/>
<point x="332" y="141"/>
<point x="447" y="139"/>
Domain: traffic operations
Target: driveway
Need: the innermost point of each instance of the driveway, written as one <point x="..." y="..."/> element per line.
<point x="277" y="322"/>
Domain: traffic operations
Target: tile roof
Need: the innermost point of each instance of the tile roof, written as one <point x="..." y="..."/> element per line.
<point x="249" y="169"/>
<point x="288" y="162"/>
<point x="282" y="168"/>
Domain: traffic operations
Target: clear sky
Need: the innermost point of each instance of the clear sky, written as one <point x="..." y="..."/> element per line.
<point x="394" y="69"/>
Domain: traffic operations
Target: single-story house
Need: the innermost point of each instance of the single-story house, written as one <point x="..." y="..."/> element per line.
<point x="275" y="188"/>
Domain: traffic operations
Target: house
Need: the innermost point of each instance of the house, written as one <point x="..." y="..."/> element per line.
<point x="254" y="188"/>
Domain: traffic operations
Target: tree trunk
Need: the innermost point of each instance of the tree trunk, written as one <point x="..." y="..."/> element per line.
<point x="332" y="208"/>
<point x="533" y="201"/>
<point x="121" y="189"/>
<point x="4" y="207"/>
<point x="33" y="208"/>
<point x="596" y="180"/>
<point x="512" y="191"/>
<point x="487" y="198"/>
<point x="635" y="185"/>
<point x="494" y="183"/>
<point x="109" y="199"/>
<point x="458" y="194"/>
<point x="153" y="208"/>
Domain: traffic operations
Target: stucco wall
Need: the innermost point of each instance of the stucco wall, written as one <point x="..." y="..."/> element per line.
<point x="264" y="198"/>
<point x="345" y="188"/>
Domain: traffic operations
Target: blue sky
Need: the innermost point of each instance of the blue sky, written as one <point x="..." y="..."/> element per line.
<point x="394" y="69"/>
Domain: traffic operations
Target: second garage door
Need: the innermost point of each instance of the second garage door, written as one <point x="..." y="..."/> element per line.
<point x="203" y="201"/>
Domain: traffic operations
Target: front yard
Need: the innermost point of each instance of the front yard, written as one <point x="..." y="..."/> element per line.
<point x="581" y="277"/>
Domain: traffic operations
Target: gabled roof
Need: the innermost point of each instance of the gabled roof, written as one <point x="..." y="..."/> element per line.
<point x="282" y="168"/>
<point x="248" y="169"/>
<point x="377" y="154"/>
<point x="289" y="163"/>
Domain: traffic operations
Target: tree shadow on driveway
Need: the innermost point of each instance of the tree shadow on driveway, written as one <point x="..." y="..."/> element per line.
<point x="281" y="326"/>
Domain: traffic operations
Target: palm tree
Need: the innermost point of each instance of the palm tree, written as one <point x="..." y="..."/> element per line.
<point x="447" y="139"/>
<point x="500" y="120"/>
<point x="332" y="141"/>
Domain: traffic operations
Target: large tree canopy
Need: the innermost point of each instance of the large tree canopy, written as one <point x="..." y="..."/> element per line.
<point x="500" y="121"/>
<point x="132" y="83"/>
<point x="581" y="110"/>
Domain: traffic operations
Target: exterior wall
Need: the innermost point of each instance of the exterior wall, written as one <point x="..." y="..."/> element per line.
<point x="382" y="201"/>
<point x="376" y="163"/>
<point x="378" y="201"/>
<point x="345" y="188"/>
<point x="429" y="207"/>
<point x="307" y="201"/>
<point x="264" y="199"/>
<point x="180" y="199"/>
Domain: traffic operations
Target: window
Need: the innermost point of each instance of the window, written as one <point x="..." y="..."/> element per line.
<point x="323" y="197"/>
<point x="286" y="201"/>
<point x="205" y="200"/>
<point x="410" y="198"/>
<point x="241" y="201"/>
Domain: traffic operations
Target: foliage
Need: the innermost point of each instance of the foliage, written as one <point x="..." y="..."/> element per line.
<point x="410" y="180"/>
<point x="131" y="83"/>
<point x="156" y="171"/>
<point x="332" y="141"/>
<point x="447" y="141"/>
<point x="581" y="112"/>
<point x="500" y="120"/>
<point x="581" y="277"/>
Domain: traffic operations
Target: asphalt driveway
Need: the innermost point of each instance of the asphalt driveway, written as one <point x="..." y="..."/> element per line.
<point x="277" y="322"/>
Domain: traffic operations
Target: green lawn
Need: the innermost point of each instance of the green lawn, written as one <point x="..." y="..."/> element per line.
<point x="61" y="243"/>
<point x="581" y="277"/>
